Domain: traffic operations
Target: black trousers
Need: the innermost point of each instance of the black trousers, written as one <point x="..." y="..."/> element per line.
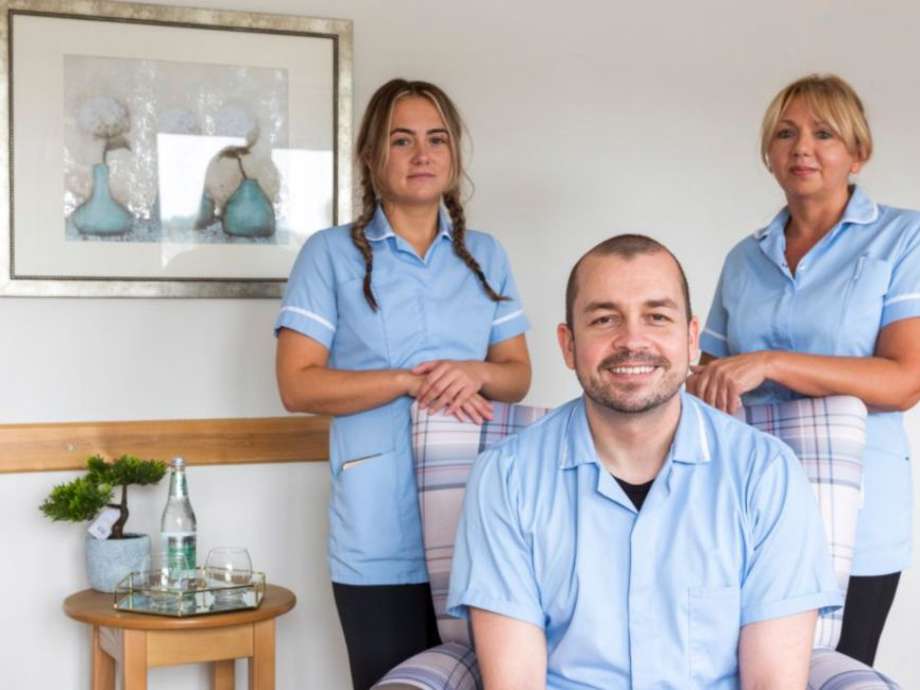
<point x="384" y="625"/>
<point x="868" y="603"/>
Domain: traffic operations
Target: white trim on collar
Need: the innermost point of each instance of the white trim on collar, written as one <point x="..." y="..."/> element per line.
<point x="704" y="439"/>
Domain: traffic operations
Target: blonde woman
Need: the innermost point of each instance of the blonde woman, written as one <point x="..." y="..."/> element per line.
<point x="825" y="300"/>
<point x="404" y="303"/>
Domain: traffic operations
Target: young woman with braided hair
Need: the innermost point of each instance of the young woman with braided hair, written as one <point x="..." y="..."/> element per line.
<point x="405" y="303"/>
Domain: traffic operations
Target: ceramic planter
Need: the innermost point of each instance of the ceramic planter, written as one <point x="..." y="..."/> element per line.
<point x="108" y="561"/>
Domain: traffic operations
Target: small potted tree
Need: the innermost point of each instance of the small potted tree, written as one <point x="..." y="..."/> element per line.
<point x="108" y="560"/>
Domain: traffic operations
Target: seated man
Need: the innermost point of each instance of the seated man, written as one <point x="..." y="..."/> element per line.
<point x="635" y="537"/>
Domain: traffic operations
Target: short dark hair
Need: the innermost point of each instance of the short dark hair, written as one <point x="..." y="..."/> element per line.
<point x="626" y="246"/>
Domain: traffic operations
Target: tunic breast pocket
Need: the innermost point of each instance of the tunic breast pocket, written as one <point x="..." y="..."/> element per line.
<point x="862" y="306"/>
<point x="745" y="308"/>
<point x="360" y="339"/>
<point x="714" y="631"/>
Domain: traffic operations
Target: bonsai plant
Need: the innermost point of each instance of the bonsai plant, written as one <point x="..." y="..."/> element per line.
<point x="107" y="560"/>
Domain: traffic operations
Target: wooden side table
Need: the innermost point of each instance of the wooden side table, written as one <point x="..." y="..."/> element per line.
<point x="138" y="641"/>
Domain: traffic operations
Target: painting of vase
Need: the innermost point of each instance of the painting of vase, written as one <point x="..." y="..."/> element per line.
<point x="146" y="145"/>
<point x="163" y="151"/>
<point x="101" y="214"/>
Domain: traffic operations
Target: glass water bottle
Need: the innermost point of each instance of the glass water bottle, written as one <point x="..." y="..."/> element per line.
<point x="178" y="526"/>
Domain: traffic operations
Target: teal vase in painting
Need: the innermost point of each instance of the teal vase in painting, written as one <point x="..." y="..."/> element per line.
<point x="101" y="214"/>
<point x="248" y="212"/>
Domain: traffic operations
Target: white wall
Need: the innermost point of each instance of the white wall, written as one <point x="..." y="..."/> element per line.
<point x="587" y="120"/>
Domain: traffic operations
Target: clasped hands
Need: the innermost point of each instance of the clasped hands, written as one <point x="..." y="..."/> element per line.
<point x="722" y="382"/>
<point x="452" y="386"/>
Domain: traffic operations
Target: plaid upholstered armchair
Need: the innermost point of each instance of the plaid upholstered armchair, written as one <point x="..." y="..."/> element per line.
<point x="827" y="434"/>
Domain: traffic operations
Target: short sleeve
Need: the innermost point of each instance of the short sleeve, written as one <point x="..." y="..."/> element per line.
<point x="510" y="319"/>
<point x="902" y="300"/>
<point x="789" y="568"/>
<point x="714" y="338"/>
<point x="492" y="565"/>
<point x="309" y="303"/>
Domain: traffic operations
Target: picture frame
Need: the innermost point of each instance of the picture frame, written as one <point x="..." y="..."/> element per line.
<point x="160" y="151"/>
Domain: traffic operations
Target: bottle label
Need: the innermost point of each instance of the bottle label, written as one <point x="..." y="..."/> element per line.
<point x="180" y="550"/>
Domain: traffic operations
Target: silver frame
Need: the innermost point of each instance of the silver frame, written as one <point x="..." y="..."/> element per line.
<point x="339" y="30"/>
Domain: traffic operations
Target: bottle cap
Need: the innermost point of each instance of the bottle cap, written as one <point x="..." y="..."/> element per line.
<point x="178" y="461"/>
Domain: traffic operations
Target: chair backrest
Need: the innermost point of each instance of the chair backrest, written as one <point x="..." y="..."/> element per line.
<point x="827" y="434"/>
<point x="445" y="449"/>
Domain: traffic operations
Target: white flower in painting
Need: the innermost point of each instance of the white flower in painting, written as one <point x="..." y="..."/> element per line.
<point x="263" y="169"/>
<point x="104" y="117"/>
<point x="222" y="177"/>
<point x="179" y="122"/>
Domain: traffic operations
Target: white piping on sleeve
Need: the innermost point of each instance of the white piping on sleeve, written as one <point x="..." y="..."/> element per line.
<point x="902" y="298"/>
<point x="310" y="315"/>
<point x="717" y="336"/>
<point x="508" y="317"/>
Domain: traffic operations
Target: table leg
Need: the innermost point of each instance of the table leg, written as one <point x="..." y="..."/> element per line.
<point x="103" y="665"/>
<point x="134" y="662"/>
<point x="223" y="675"/>
<point x="262" y="662"/>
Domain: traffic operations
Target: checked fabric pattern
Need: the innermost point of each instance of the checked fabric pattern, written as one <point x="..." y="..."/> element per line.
<point x="449" y="666"/>
<point x="445" y="449"/>
<point x="827" y="434"/>
<point x="834" y="671"/>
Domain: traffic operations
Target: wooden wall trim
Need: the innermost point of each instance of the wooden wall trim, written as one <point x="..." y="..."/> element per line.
<point x="65" y="446"/>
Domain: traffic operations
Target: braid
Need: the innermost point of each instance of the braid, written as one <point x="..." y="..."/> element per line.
<point x="359" y="239"/>
<point x="458" y="218"/>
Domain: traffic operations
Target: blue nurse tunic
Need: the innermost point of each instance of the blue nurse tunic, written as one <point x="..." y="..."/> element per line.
<point x="431" y="307"/>
<point x="860" y="277"/>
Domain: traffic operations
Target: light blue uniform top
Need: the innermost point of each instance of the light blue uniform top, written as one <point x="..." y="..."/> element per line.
<point x="431" y="308"/>
<point x="861" y="276"/>
<point x="729" y="534"/>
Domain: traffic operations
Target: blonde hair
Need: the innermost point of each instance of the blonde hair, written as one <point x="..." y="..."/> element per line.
<point x="372" y="150"/>
<point x="830" y="99"/>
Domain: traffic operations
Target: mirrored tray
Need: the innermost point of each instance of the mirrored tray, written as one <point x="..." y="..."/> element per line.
<point x="189" y="593"/>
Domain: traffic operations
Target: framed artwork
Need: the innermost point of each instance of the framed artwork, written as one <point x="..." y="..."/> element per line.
<point x="156" y="151"/>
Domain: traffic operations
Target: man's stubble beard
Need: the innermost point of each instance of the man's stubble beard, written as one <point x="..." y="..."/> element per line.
<point x="605" y="395"/>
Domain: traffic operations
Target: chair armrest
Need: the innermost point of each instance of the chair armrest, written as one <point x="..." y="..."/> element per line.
<point x="450" y="666"/>
<point x="832" y="670"/>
